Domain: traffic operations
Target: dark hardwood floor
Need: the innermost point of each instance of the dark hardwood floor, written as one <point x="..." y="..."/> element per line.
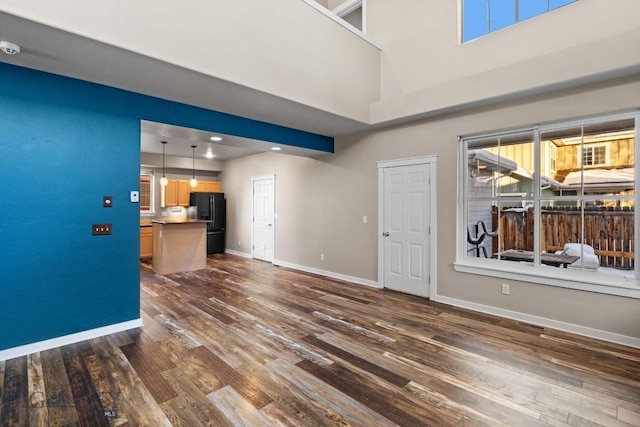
<point x="244" y="343"/>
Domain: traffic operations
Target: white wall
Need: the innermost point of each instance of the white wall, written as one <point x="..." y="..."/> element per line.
<point x="320" y="204"/>
<point x="425" y="69"/>
<point x="286" y="48"/>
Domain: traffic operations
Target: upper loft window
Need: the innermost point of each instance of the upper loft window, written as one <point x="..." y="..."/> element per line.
<point x="351" y="11"/>
<point x="481" y="17"/>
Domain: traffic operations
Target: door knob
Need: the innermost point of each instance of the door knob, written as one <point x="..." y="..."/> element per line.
<point x="268" y="225"/>
<point x="385" y="234"/>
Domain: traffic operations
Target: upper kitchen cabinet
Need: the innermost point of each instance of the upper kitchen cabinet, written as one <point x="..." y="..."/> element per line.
<point x="183" y="193"/>
<point x="175" y="193"/>
<point x="208" y="187"/>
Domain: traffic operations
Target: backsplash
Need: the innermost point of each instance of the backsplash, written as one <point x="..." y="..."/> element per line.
<point x="175" y="212"/>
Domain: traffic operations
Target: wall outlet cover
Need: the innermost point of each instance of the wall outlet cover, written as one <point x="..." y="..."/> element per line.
<point x="101" y="229"/>
<point x="134" y="197"/>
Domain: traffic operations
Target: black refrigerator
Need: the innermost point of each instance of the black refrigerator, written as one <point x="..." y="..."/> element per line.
<point x="211" y="207"/>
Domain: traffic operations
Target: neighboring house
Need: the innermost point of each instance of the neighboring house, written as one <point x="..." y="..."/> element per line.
<point x="419" y="81"/>
<point x="602" y="162"/>
<point x="582" y="179"/>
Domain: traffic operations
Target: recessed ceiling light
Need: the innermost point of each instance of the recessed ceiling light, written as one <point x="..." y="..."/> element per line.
<point x="215" y="138"/>
<point x="276" y="148"/>
<point x="209" y="155"/>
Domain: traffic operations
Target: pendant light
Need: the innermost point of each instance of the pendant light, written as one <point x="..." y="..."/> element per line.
<point x="194" y="181"/>
<point x="163" y="180"/>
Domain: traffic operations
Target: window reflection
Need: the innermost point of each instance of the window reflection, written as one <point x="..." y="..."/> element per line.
<point x="572" y="186"/>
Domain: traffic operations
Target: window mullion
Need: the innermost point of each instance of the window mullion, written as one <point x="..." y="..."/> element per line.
<point x="463" y="188"/>
<point x="635" y="195"/>
<point x="536" y="196"/>
<point x="488" y="16"/>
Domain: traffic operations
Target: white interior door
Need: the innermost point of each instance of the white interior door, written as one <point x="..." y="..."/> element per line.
<point x="263" y="216"/>
<point x="406" y="222"/>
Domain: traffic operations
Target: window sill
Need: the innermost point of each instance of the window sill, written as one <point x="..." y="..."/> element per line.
<point x="610" y="284"/>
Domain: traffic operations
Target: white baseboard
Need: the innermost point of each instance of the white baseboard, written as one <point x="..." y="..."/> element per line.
<point x="242" y="254"/>
<point x="541" y="321"/>
<point x="35" y="347"/>
<point x="304" y="268"/>
<point x="331" y="274"/>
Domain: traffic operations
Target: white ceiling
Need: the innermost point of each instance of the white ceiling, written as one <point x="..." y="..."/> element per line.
<point x="180" y="139"/>
<point x="48" y="49"/>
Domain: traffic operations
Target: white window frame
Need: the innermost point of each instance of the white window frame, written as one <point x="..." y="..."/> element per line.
<point x="516" y="17"/>
<point x="152" y="184"/>
<point x="628" y="286"/>
<point x="593" y="147"/>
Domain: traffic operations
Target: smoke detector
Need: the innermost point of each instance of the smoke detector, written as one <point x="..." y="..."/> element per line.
<point x="9" y="48"/>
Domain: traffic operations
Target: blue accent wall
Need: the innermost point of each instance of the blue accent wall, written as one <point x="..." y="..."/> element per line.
<point x="56" y="165"/>
<point x="65" y="143"/>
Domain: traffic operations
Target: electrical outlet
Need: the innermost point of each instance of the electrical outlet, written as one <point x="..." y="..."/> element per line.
<point x="107" y="201"/>
<point x="505" y="289"/>
<point x="321" y="257"/>
<point x="101" y="229"/>
<point x="239" y="243"/>
<point x="365" y="219"/>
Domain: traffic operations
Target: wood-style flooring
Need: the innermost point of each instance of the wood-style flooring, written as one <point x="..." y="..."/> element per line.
<point x="244" y="343"/>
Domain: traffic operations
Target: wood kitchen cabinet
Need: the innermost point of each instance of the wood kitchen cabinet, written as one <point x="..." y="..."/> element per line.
<point x="146" y="242"/>
<point x="183" y="193"/>
<point x="175" y="193"/>
<point x="208" y="187"/>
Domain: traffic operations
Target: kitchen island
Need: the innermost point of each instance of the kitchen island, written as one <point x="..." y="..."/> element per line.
<point x="179" y="245"/>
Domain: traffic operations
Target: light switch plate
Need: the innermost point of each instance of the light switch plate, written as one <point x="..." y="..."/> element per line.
<point x="134" y="197"/>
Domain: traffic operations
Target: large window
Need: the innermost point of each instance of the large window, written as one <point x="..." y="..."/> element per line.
<point x="535" y="201"/>
<point x="480" y="17"/>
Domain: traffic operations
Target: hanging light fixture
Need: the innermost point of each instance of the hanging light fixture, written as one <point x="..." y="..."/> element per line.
<point x="163" y="180"/>
<point x="194" y="181"/>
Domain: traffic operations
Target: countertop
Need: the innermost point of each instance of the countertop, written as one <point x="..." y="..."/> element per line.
<point x="166" y="221"/>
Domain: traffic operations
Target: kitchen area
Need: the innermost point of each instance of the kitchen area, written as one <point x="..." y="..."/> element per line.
<point x="186" y="231"/>
<point x="182" y="205"/>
